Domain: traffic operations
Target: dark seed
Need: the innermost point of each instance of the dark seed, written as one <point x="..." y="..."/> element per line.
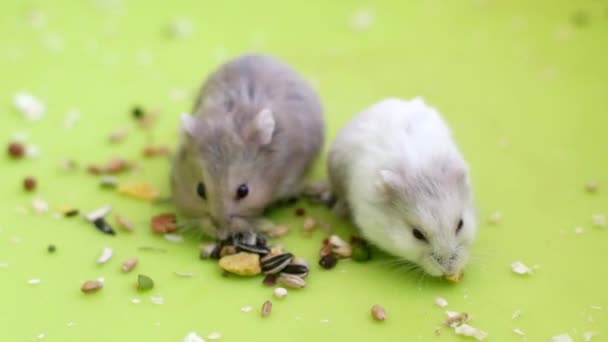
<point x="299" y="270"/>
<point x="29" y="183"/>
<point x="51" y="248"/>
<point x="261" y="241"/>
<point x="137" y="112"/>
<point x="104" y="226"/>
<point x="252" y="249"/>
<point x="71" y="213"/>
<point x="216" y="253"/>
<point x="16" y="150"/>
<point x="300" y="212"/>
<point x="270" y="280"/>
<point x="275" y="264"/>
<point x="328" y="262"/>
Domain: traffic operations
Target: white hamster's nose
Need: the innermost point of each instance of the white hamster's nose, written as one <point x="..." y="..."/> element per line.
<point x="447" y="262"/>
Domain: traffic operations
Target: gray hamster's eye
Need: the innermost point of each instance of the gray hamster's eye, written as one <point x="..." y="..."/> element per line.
<point x="200" y="190"/>
<point x="242" y="191"/>
<point x="418" y="235"/>
<point x="459" y="227"/>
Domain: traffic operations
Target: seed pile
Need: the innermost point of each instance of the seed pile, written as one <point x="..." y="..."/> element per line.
<point x="334" y="248"/>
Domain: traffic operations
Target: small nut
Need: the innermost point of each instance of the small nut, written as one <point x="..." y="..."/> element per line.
<point x="266" y="308"/>
<point x="129" y="264"/>
<point x="163" y="223"/>
<point x="91" y="286"/>
<point x="29" y="183"/>
<point x="378" y="313"/>
<point x="16" y="150"/>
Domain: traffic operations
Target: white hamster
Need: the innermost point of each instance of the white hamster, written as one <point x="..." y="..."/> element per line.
<point x="398" y="172"/>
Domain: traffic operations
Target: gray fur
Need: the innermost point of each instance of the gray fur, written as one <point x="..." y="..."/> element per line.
<point x="224" y="150"/>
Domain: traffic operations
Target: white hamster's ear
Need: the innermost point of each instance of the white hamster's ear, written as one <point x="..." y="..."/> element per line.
<point x="188" y="124"/>
<point x="455" y="169"/>
<point x="263" y="127"/>
<point x="390" y="181"/>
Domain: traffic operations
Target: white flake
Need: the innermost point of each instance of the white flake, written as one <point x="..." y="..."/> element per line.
<point x="599" y="220"/>
<point x="70" y="324"/>
<point x="193" y="337"/>
<point x="441" y="302"/>
<point x="32" y="151"/>
<point x="362" y="19"/>
<point x="588" y="335"/>
<point x="31" y="107"/>
<point x="157" y="300"/>
<point x="495" y="217"/>
<point x="106" y="255"/>
<point x="135" y="300"/>
<point x="324" y="321"/>
<point x="562" y="338"/>
<point x="34" y="281"/>
<point x="174" y="237"/>
<point x="41" y="336"/>
<point x="280" y="292"/>
<point x="214" y="335"/>
<point x="597" y="307"/>
<point x="98" y="213"/>
<point x="579" y="230"/>
<point x="520" y="268"/>
<point x="467" y="330"/>
<point x="184" y="274"/>
<point x="40" y="205"/>
<point x="519" y="332"/>
<point x="246" y="308"/>
<point x="516" y="314"/>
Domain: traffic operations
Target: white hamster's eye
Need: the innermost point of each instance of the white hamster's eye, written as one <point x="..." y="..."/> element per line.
<point x="200" y="190"/>
<point x="242" y="191"/>
<point x="418" y="235"/>
<point x="459" y="227"/>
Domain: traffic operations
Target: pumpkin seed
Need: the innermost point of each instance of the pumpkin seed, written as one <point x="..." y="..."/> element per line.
<point x="272" y="264"/>
<point x="378" y="313"/>
<point x="266" y="308"/>
<point x="144" y="282"/>
<point x="291" y="281"/>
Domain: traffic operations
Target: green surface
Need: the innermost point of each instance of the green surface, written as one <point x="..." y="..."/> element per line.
<point x="523" y="84"/>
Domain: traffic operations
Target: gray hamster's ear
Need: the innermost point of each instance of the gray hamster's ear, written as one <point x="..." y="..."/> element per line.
<point x="262" y="127"/>
<point x="188" y="124"/>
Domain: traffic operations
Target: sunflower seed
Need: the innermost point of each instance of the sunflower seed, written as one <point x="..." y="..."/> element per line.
<point x="261" y="250"/>
<point x="291" y="281"/>
<point x="274" y="264"/>
<point x="378" y="313"/>
<point x="266" y="308"/>
<point x="102" y="225"/>
<point x="297" y="270"/>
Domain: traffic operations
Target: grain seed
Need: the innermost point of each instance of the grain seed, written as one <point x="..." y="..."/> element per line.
<point x="280" y="292"/>
<point x="214" y="336"/>
<point x="277" y="231"/>
<point x="291" y="281"/>
<point x="266" y="308"/>
<point x="378" y="313"/>
<point x="129" y="264"/>
<point x="144" y="282"/>
<point x="98" y="213"/>
<point x="139" y="190"/>
<point x="441" y="302"/>
<point x="91" y="286"/>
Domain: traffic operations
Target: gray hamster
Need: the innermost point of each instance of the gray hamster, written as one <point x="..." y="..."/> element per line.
<point x="255" y="129"/>
<point x="396" y="170"/>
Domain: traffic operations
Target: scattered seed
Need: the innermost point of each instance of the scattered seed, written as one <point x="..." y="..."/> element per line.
<point x="135" y="300"/>
<point x="246" y="308"/>
<point x="562" y="338"/>
<point x="454" y="278"/>
<point x="129" y="264"/>
<point x="300" y="212"/>
<point x="91" y="286"/>
<point x="157" y="300"/>
<point x="519" y="332"/>
<point x="29" y="183"/>
<point x="256" y="249"/>
<point x="266" y="308"/>
<point x="103" y="226"/>
<point x="144" y="282"/>
<point x="378" y="313"/>
<point x="455" y="318"/>
<point x="174" y="237"/>
<point x="309" y="224"/>
<point x="163" y="223"/>
<point x="328" y="261"/>
<point x="245" y="264"/>
<point x="441" y="302"/>
<point x="34" y="281"/>
<point x="155" y="150"/>
<point x="139" y="190"/>
<point x="520" y="268"/>
<point x="40" y="205"/>
<point x="588" y="335"/>
<point x="467" y="330"/>
<point x="343" y="251"/>
<point x="270" y="280"/>
<point x="291" y="281"/>
<point x="106" y="255"/>
<point x="516" y="314"/>
<point x="280" y="292"/>
<point x="579" y="230"/>
<point x="109" y="182"/>
<point x="206" y="250"/>
<point x="214" y="335"/>
<point x="16" y="150"/>
<point x="599" y="220"/>
<point x="51" y="248"/>
<point x="591" y="186"/>
<point x="124" y="223"/>
<point x="273" y="264"/>
<point x="118" y="135"/>
<point x="297" y="270"/>
<point x="277" y="231"/>
<point x="98" y="213"/>
<point x="193" y="337"/>
<point x="495" y="217"/>
<point x="31" y="107"/>
<point x="112" y="166"/>
<point x="184" y="274"/>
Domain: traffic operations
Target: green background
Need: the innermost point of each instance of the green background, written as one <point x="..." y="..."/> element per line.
<point x="523" y="84"/>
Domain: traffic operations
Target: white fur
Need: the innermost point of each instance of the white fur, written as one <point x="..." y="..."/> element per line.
<point x="264" y="123"/>
<point x="393" y="145"/>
